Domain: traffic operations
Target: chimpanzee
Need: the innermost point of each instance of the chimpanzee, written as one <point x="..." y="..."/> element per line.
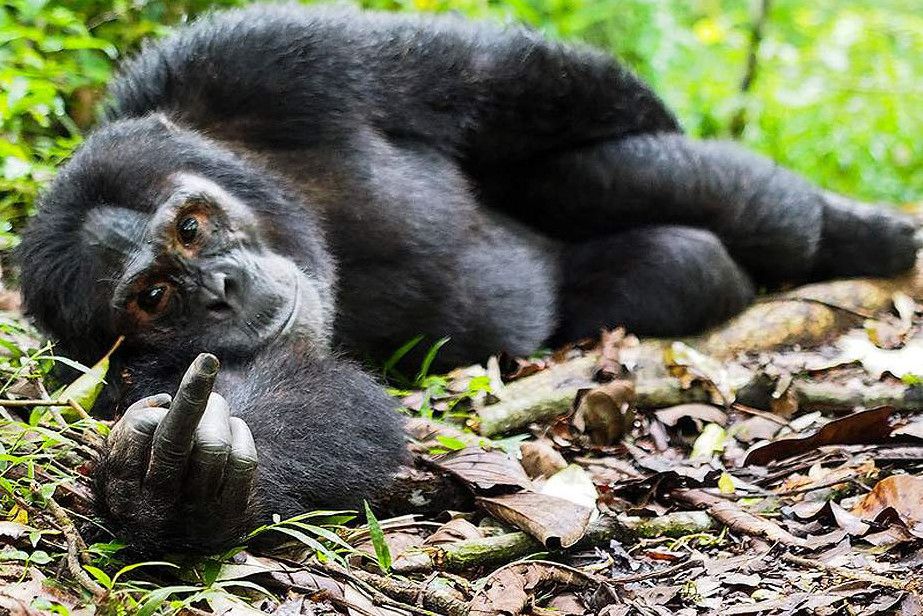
<point x="280" y="186"/>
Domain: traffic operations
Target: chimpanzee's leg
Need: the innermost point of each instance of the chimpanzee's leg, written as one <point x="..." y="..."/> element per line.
<point x="658" y="280"/>
<point x="777" y="225"/>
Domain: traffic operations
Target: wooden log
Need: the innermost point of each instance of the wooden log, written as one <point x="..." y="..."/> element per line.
<point x="808" y="316"/>
<point x="498" y="550"/>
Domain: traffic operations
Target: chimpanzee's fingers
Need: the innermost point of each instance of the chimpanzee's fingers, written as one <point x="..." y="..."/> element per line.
<point x="210" y="451"/>
<point x="240" y="470"/>
<point x="155" y="401"/>
<point x="131" y="438"/>
<point x="174" y="436"/>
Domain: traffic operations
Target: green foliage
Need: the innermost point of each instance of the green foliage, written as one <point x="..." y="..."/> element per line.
<point x="837" y="93"/>
<point x="382" y="552"/>
<point x="55" y="59"/>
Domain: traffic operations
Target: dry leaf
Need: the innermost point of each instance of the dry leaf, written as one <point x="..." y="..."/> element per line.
<point x="603" y="412"/>
<point x="541" y="459"/>
<point x="901" y="493"/>
<point x="556" y="522"/>
<point x="506" y="592"/>
<point x="453" y="531"/>
<point x="484" y="470"/>
<point x="908" y="360"/>
<point x="704" y="412"/>
<point x="573" y="484"/>
<point x="862" y="428"/>
<point x="616" y="356"/>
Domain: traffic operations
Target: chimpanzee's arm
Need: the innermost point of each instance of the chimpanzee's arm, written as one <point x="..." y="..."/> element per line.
<point x="186" y="478"/>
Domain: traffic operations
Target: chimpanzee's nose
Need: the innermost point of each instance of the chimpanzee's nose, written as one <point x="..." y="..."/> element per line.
<point x="220" y="290"/>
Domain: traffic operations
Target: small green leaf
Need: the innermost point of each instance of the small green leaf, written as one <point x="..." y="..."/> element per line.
<point x="101" y="576"/>
<point x="429" y="359"/>
<point x="451" y="443"/>
<point x="87" y="387"/>
<point x="382" y="553"/>
<point x="150" y="563"/>
<point x="709" y="442"/>
<point x="399" y="354"/>
<point x="155" y="598"/>
<point x="726" y="483"/>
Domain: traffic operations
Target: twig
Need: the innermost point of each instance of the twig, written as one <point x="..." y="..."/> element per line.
<point x="497" y="550"/>
<point x="657" y="573"/>
<point x="376" y="595"/>
<point x="749" y="410"/>
<point x="736" y="518"/>
<point x="78" y="409"/>
<point x="850" y="574"/>
<point x="406" y="592"/>
<point x="739" y="121"/>
<point x="55" y="411"/>
<point x="76" y="548"/>
<point x="14" y="404"/>
<point x="588" y="577"/>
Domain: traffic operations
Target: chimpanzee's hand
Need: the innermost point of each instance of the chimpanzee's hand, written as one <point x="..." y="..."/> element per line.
<point x="180" y="476"/>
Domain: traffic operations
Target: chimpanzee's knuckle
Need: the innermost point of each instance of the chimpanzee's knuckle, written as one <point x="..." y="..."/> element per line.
<point x="244" y="461"/>
<point x="211" y="444"/>
<point x="137" y="424"/>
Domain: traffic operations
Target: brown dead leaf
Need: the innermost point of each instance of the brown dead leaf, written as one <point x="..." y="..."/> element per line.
<point x="16" y="597"/>
<point x="849" y="522"/>
<point x="514" y="368"/>
<point x="453" y="531"/>
<point x="756" y="429"/>
<point x="603" y="413"/>
<point x="506" y="592"/>
<point x="616" y="610"/>
<point x="704" y="412"/>
<point x="484" y="470"/>
<point x="901" y="493"/>
<point x="556" y="522"/>
<point x="541" y="459"/>
<point x="566" y="604"/>
<point x="862" y="428"/>
<point x="13" y="530"/>
<point x="613" y="345"/>
<point x="358" y="604"/>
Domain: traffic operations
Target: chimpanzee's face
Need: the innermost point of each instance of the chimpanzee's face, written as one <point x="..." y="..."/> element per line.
<point x="197" y="270"/>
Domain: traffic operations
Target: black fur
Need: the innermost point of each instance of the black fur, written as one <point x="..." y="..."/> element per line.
<point x="327" y="434"/>
<point x="433" y="176"/>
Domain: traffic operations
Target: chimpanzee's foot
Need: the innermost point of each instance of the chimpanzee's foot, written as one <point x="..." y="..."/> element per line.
<point x="864" y="240"/>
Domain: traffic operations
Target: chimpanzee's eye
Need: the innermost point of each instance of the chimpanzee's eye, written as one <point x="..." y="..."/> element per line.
<point x="187" y="229"/>
<point x="151" y="299"/>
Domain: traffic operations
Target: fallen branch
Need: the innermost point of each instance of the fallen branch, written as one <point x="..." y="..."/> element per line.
<point x="809" y="315"/>
<point x="403" y="594"/>
<point x="76" y="550"/>
<point x="656" y="573"/>
<point x="545" y="403"/>
<point x="539" y="397"/>
<point x="735" y="518"/>
<point x="850" y="574"/>
<point x="501" y="549"/>
<point x="676" y="524"/>
<point x="845" y="397"/>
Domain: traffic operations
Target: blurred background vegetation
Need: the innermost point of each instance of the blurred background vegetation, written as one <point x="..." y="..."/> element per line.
<point x="832" y="88"/>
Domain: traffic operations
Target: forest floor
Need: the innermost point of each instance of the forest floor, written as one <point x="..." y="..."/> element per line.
<point x="773" y="466"/>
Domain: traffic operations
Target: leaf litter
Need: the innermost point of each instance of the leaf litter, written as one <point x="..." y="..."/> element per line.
<point x="616" y="476"/>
